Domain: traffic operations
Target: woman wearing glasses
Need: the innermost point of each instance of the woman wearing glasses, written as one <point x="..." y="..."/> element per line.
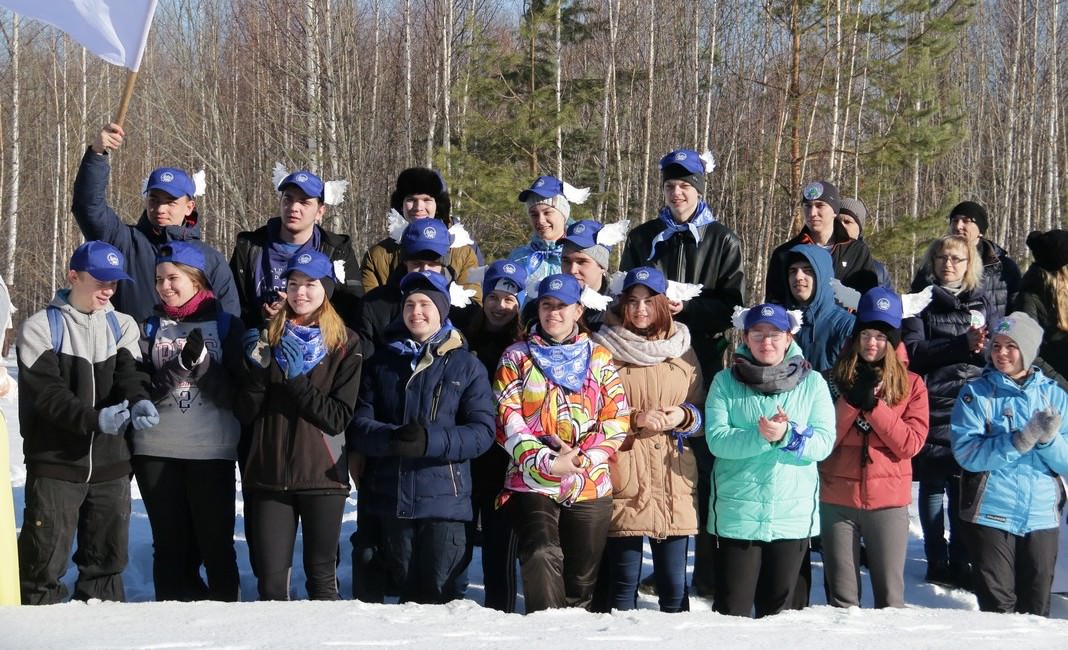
<point x="945" y="342"/>
<point x="769" y="420"/>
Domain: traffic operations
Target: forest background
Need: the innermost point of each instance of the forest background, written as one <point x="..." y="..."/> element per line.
<point x="912" y="105"/>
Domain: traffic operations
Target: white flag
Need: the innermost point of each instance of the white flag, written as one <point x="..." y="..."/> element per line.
<point x="114" y="30"/>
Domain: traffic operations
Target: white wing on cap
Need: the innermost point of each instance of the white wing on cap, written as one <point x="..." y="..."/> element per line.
<point x="738" y="317"/>
<point x="459" y="296"/>
<point x="199" y="183"/>
<point x="339" y="271"/>
<point x="532" y="288"/>
<point x="593" y="300"/>
<point x="846" y="296"/>
<point x="615" y="282"/>
<point x="796" y="319"/>
<point x="458" y="236"/>
<point x="278" y="174"/>
<point x="709" y="160"/>
<point x="477" y="274"/>
<point x="683" y="291"/>
<point x="914" y="303"/>
<point x="574" y="194"/>
<point x="334" y="192"/>
<point x="613" y="233"/>
<point x="144" y="185"/>
<point x="395" y="224"/>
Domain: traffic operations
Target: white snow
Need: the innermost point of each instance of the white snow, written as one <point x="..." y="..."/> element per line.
<point x="934" y="617"/>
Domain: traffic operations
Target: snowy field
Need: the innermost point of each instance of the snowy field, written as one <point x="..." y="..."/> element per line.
<point x="935" y="617"/>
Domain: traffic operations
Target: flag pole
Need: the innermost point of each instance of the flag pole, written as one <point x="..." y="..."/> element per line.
<point x="127" y="94"/>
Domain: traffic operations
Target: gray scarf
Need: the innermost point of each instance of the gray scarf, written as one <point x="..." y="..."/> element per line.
<point x="771" y="380"/>
<point x="634" y="349"/>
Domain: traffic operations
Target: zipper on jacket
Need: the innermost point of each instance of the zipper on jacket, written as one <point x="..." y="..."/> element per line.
<point x="452" y="475"/>
<point x="92" y="440"/>
<point x="437" y="389"/>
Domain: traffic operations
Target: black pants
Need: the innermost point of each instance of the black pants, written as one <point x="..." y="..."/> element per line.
<point x="704" y="552"/>
<point x="99" y="513"/>
<point x="370" y="580"/>
<point x="190" y="506"/>
<point x="560" y="548"/>
<point x="1012" y="573"/>
<point x="424" y="557"/>
<point x="498" y="554"/>
<point x="271" y="521"/>
<point x="756" y="576"/>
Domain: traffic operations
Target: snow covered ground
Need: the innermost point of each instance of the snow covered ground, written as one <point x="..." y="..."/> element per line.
<point x="935" y="617"/>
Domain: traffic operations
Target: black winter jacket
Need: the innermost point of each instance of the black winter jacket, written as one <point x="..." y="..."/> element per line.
<point x="298" y="425"/>
<point x="248" y="253"/>
<point x="853" y="264"/>
<point x="140" y="243"/>
<point x="1037" y="300"/>
<point x="715" y="263"/>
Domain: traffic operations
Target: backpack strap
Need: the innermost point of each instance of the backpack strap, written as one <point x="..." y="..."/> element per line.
<point x="55" y="327"/>
<point x="116" y="329"/>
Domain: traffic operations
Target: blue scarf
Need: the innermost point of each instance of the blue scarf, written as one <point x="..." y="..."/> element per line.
<point x="544" y="252"/>
<point x="314" y="349"/>
<point x="565" y="364"/>
<point x="702" y="217"/>
<point x="413" y="350"/>
<point x="275" y="257"/>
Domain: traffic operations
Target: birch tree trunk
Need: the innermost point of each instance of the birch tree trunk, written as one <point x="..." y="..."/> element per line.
<point x="12" y="221"/>
<point x="559" y="93"/>
<point x="407" y="82"/>
<point x="311" y="85"/>
<point x="1051" y="208"/>
<point x="647" y="144"/>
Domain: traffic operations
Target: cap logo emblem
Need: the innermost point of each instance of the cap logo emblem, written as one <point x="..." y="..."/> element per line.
<point x="812" y="191"/>
<point x="579" y="228"/>
<point x="767" y="311"/>
<point x="509" y="268"/>
<point x="113" y="259"/>
<point x="304" y="259"/>
<point x="680" y="155"/>
<point x="302" y="178"/>
<point x="430" y="232"/>
<point x="642" y="275"/>
<point x="883" y="304"/>
<point x="166" y="177"/>
<point x="556" y="285"/>
<point x="539" y="183"/>
<point x="1005" y="325"/>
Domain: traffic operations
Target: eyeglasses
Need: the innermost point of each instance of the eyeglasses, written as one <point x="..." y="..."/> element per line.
<point x="950" y="259"/>
<point x="878" y="337"/>
<point x="760" y="337"/>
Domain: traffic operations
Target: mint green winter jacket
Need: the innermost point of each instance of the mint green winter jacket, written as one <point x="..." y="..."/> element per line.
<point x="761" y="491"/>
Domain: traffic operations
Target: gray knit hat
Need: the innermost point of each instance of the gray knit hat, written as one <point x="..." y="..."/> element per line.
<point x="1022" y="329"/>
<point x="855" y="208"/>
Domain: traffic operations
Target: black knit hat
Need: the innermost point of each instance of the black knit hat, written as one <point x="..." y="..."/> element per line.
<point x="973" y="211"/>
<point x="422" y="180"/>
<point x="1050" y="249"/>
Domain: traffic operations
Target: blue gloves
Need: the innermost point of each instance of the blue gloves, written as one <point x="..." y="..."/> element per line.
<point x="112" y="419"/>
<point x="144" y="414"/>
<point x="293" y="352"/>
<point x="250" y="341"/>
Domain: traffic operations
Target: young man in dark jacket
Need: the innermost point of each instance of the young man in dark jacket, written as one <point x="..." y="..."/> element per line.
<point x="425" y="410"/>
<point x="688" y="244"/>
<point x="170" y="214"/>
<point x="852" y="260"/>
<point x="825" y="326"/>
<point x="260" y="256"/>
<point x="79" y="387"/>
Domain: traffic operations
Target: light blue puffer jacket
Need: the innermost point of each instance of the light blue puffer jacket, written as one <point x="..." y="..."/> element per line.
<point x="1001" y="487"/>
<point x="760" y="491"/>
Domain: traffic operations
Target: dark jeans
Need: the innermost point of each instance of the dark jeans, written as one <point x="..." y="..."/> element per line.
<point x="1012" y="573"/>
<point x="424" y="557"/>
<point x="756" y="575"/>
<point x="56" y="510"/>
<point x="560" y="548"/>
<point x="271" y="520"/>
<point x="190" y="506"/>
<point x="623" y="566"/>
<point x="498" y="554"/>
<point x="704" y="558"/>
<point x="931" y="509"/>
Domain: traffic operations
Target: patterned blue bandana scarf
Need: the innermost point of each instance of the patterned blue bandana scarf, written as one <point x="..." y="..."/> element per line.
<point x="541" y="251"/>
<point x="702" y="217"/>
<point x="565" y="364"/>
<point x="414" y="350"/>
<point x="314" y="349"/>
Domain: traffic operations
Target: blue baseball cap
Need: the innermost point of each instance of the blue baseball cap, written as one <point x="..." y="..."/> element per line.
<point x="505" y="275"/>
<point x="171" y="180"/>
<point x="544" y="187"/>
<point x="648" y="277"/>
<point x="561" y="286"/>
<point x="774" y="315"/>
<point x="180" y="252"/>
<point x="879" y="305"/>
<point x="99" y="259"/>
<point x="687" y="159"/>
<point x="308" y="183"/>
<point x="418" y="281"/>
<point x="313" y="264"/>
<point x="422" y="235"/>
<point x="583" y="234"/>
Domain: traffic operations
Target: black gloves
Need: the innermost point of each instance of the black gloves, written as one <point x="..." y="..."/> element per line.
<point x="862" y="393"/>
<point x="408" y="441"/>
<point x="193" y="348"/>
